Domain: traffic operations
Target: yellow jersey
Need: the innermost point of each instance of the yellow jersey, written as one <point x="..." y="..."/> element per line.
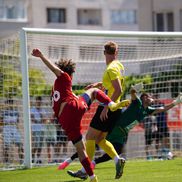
<point x="115" y="70"/>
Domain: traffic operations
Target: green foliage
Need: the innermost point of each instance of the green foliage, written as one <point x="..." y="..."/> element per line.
<point x="133" y="79"/>
<point x="11" y="79"/>
<point x="169" y="81"/>
<point x="129" y="80"/>
<point x="79" y="89"/>
<point x="38" y="85"/>
<point x="78" y="92"/>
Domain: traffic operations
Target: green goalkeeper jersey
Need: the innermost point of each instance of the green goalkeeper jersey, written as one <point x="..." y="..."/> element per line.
<point x="129" y="118"/>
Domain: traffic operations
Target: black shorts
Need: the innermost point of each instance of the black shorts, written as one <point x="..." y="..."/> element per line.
<point x="162" y="132"/>
<point x="107" y="125"/>
<point x="150" y="137"/>
<point x="61" y="136"/>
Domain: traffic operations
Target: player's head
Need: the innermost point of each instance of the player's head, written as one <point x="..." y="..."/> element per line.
<point x="146" y="99"/>
<point x="66" y="65"/>
<point x="9" y="102"/>
<point x="38" y="101"/>
<point x="110" y="48"/>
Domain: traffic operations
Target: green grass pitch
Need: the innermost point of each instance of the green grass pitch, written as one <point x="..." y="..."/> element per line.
<point x="135" y="171"/>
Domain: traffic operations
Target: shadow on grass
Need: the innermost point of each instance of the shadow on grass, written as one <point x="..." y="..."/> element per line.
<point x="105" y="167"/>
<point x="74" y="180"/>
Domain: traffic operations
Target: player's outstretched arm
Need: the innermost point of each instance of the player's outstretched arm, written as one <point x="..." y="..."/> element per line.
<point x="175" y="102"/>
<point x="48" y="63"/>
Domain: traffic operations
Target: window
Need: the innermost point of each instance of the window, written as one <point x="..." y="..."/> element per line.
<point x="13" y="10"/>
<point x="2" y="9"/>
<point x="160" y="22"/>
<point x="170" y="22"/>
<point x="89" y="17"/>
<point x="164" y="21"/>
<point x="56" y="15"/>
<point x="181" y="20"/>
<point x="123" y="16"/>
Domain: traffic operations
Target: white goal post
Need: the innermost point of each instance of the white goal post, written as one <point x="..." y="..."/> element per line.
<point x="153" y="57"/>
<point x="142" y="53"/>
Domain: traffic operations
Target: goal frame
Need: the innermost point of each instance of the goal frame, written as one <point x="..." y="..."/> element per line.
<point x="24" y="63"/>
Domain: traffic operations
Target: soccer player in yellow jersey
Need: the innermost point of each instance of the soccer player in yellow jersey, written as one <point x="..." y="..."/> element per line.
<point x="104" y="120"/>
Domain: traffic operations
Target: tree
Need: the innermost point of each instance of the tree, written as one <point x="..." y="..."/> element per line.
<point x="170" y="80"/>
<point x="38" y="85"/>
<point x="133" y="79"/>
<point x="11" y="79"/>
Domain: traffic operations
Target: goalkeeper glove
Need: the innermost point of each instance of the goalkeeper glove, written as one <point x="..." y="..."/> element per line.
<point x="137" y="87"/>
<point x="178" y="100"/>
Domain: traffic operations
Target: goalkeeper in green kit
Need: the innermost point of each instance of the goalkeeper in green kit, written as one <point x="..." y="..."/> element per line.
<point x="134" y="114"/>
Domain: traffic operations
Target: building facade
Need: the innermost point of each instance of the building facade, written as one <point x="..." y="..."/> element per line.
<point x="123" y="15"/>
<point x="160" y="15"/>
<point x="85" y="14"/>
<point x="13" y="16"/>
<point x="68" y="14"/>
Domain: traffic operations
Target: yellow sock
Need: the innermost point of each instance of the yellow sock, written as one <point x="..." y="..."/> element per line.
<point x="90" y="148"/>
<point x="108" y="148"/>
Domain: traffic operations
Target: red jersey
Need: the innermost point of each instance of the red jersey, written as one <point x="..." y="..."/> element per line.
<point x="61" y="92"/>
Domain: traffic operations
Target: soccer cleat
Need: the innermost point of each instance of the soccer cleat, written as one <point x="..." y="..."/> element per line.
<point x="94" y="179"/>
<point x="119" y="168"/>
<point x="170" y="155"/>
<point x="93" y="165"/>
<point x="115" y="106"/>
<point x="63" y="165"/>
<point x="78" y="174"/>
<point x="39" y="162"/>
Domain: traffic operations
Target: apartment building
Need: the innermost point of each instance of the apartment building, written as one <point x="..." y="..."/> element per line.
<point x="68" y="14"/>
<point x="160" y="15"/>
<point x="85" y="14"/>
<point x="163" y="15"/>
<point x="13" y="16"/>
<point x="130" y="15"/>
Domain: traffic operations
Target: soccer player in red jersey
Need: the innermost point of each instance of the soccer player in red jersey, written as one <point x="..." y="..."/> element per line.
<point x="69" y="109"/>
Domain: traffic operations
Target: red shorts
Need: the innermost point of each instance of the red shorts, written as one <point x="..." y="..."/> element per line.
<point x="71" y="117"/>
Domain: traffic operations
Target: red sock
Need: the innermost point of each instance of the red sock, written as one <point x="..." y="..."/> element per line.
<point x="102" y="97"/>
<point x="86" y="163"/>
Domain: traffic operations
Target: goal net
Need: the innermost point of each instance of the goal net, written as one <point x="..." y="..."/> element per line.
<point x="150" y="57"/>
